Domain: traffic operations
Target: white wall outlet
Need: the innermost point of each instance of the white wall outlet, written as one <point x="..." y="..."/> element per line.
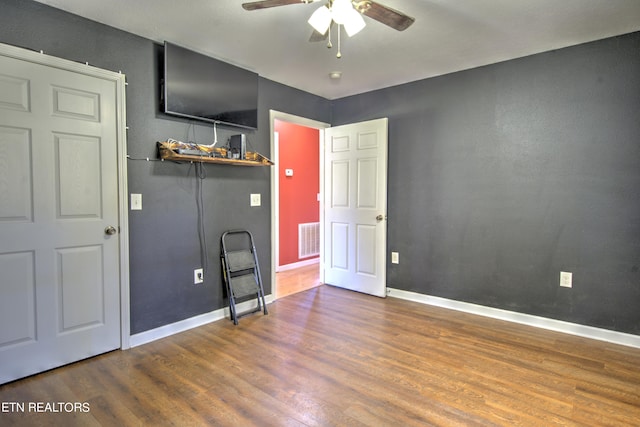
<point x="566" y="279"/>
<point x="198" y="276"/>
<point x="395" y="258"/>
<point x="288" y="172"/>
<point x="136" y="202"/>
<point x="255" y="200"/>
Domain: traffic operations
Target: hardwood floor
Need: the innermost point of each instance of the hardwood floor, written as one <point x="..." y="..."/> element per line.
<point x="297" y="280"/>
<point x="331" y="357"/>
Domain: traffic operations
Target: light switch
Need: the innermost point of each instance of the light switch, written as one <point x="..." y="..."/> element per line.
<point x="136" y="202"/>
<point x="255" y="200"/>
<point x="565" y="279"/>
<point x="288" y="172"/>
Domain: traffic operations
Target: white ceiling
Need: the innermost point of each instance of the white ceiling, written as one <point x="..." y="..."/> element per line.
<point x="447" y="36"/>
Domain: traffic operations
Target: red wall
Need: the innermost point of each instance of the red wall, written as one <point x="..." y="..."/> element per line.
<point x="298" y="150"/>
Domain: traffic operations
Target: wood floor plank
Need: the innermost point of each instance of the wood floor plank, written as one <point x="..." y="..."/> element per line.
<point x="327" y="356"/>
<point x="297" y="280"/>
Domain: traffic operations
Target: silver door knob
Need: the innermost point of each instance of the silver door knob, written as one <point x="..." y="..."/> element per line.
<point x="110" y="230"/>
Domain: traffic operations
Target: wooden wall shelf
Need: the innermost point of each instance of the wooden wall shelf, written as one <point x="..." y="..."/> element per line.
<point x="169" y="151"/>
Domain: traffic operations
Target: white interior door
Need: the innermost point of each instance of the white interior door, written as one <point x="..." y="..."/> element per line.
<point x="59" y="266"/>
<point x="355" y="206"/>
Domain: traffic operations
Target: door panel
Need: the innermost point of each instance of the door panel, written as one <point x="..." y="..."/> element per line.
<point x="339" y="191"/>
<point x="78" y="176"/>
<point x="59" y="272"/>
<point x="366" y="249"/>
<point x="18" y="300"/>
<point x="81" y="288"/>
<point x="340" y="240"/>
<point x="16" y="190"/>
<point x="76" y="104"/>
<point x="355" y="196"/>
<point x="367" y="183"/>
<point x="14" y="93"/>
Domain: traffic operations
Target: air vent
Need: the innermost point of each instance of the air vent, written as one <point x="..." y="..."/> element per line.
<point x="308" y="239"/>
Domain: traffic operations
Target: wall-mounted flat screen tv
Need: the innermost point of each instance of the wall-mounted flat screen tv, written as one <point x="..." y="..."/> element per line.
<point x="204" y="88"/>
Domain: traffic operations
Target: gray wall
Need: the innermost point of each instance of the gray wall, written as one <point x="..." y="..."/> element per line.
<point x="164" y="240"/>
<point x="502" y="176"/>
<point x="499" y="177"/>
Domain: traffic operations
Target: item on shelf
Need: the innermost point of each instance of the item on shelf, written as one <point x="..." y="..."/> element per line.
<point x="193" y="152"/>
<point x="170" y="150"/>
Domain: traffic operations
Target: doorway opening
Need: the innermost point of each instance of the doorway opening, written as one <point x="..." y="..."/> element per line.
<point x="296" y="188"/>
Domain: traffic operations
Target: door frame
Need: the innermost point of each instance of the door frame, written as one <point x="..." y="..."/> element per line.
<point x="275" y="193"/>
<point x="121" y="147"/>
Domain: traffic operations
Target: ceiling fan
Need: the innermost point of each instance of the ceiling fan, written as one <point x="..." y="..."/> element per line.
<point x="346" y="13"/>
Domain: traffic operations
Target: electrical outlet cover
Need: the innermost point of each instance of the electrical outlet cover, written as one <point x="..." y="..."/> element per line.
<point x="566" y="279"/>
<point x="198" y="276"/>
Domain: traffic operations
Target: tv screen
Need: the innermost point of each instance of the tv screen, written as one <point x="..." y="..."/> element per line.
<point x="200" y="87"/>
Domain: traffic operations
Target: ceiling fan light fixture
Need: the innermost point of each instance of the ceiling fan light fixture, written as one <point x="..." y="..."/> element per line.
<point x="321" y="19"/>
<point x="340" y="10"/>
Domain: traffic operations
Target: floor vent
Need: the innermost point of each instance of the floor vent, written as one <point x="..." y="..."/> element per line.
<point x="308" y="239"/>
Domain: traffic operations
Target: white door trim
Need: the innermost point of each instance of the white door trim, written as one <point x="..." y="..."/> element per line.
<point x="121" y="144"/>
<point x="302" y="121"/>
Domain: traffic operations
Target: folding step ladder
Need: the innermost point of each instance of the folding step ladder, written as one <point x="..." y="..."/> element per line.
<point x="241" y="272"/>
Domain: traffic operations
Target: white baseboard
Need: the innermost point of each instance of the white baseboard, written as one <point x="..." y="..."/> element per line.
<point x="190" y="323"/>
<point x="297" y="264"/>
<point x="614" y="337"/>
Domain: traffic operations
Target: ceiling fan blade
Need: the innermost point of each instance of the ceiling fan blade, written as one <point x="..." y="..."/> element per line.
<point x="264" y="4"/>
<point x="317" y="37"/>
<point x="390" y="17"/>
